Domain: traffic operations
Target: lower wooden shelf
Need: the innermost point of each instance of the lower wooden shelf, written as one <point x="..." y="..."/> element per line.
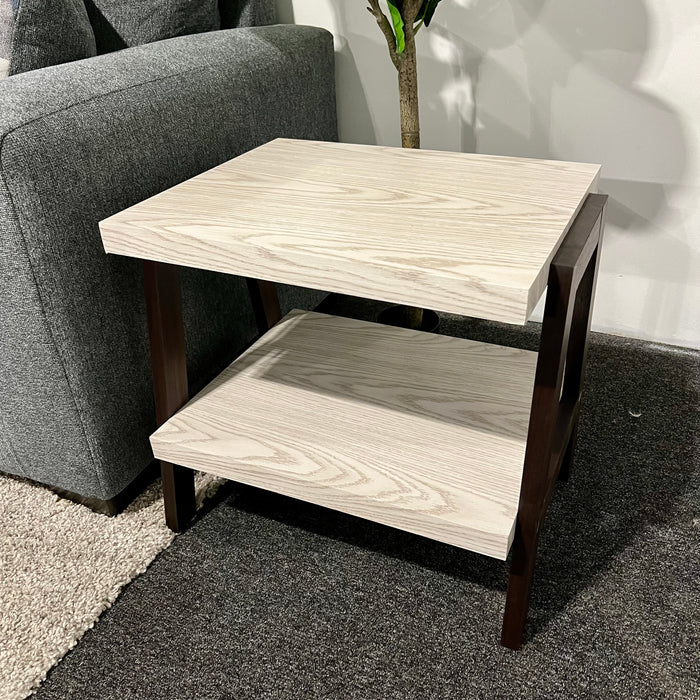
<point x="421" y="432"/>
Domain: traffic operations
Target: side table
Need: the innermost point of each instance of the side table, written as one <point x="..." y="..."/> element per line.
<point x="335" y="411"/>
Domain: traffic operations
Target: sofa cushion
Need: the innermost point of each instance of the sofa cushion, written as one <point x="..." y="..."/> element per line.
<point x="49" y="32"/>
<point x="246" y="13"/>
<point x="119" y="24"/>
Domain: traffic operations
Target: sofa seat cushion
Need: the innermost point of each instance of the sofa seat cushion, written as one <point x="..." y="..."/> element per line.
<point x="119" y="24"/>
<point x="45" y="33"/>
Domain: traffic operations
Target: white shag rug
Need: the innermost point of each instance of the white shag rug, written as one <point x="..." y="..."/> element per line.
<point x="61" y="566"/>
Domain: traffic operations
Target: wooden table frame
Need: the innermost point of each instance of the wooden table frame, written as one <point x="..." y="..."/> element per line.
<point x="555" y="403"/>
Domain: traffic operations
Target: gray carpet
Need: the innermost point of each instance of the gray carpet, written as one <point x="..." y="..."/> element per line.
<point x="267" y="597"/>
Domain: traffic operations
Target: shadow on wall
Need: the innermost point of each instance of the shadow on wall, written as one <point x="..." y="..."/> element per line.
<point x="352" y="100"/>
<point x="551" y="79"/>
<point x="576" y="89"/>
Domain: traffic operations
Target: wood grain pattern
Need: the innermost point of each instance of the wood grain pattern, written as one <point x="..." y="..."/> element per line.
<point x="463" y="233"/>
<point x="418" y="431"/>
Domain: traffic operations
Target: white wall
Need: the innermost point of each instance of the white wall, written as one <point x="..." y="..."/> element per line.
<point x="615" y="82"/>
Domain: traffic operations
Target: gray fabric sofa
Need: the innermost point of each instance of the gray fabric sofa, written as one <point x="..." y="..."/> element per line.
<point x="81" y="141"/>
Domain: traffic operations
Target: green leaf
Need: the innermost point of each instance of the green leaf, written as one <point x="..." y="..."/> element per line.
<point x="397" y="21"/>
<point x="427" y="10"/>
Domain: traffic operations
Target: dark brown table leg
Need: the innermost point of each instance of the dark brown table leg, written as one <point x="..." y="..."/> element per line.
<point x="577" y="350"/>
<point x="555" y="401"/>
<point x="167" y="339"/>
<point x="266" y="306"/>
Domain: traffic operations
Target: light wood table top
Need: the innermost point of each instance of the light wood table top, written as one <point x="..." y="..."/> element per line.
<point x="462" y="233"/>
<point x="417" y="431"/>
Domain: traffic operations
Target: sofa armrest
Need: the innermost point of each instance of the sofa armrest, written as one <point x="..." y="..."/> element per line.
<point x="79" y="142"/>
<point x="216" y="55"/>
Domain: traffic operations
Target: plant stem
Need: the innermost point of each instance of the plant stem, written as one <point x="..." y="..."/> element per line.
<point x="408" y="93"/>
<point x="383" y="23"/>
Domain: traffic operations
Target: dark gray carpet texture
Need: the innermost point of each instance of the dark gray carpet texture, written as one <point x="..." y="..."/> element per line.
<point x="268" y="597"/>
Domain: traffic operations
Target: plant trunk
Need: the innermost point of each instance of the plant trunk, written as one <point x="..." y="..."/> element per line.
<point x="408" y="96"/>
<point x="410" y="132"/>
